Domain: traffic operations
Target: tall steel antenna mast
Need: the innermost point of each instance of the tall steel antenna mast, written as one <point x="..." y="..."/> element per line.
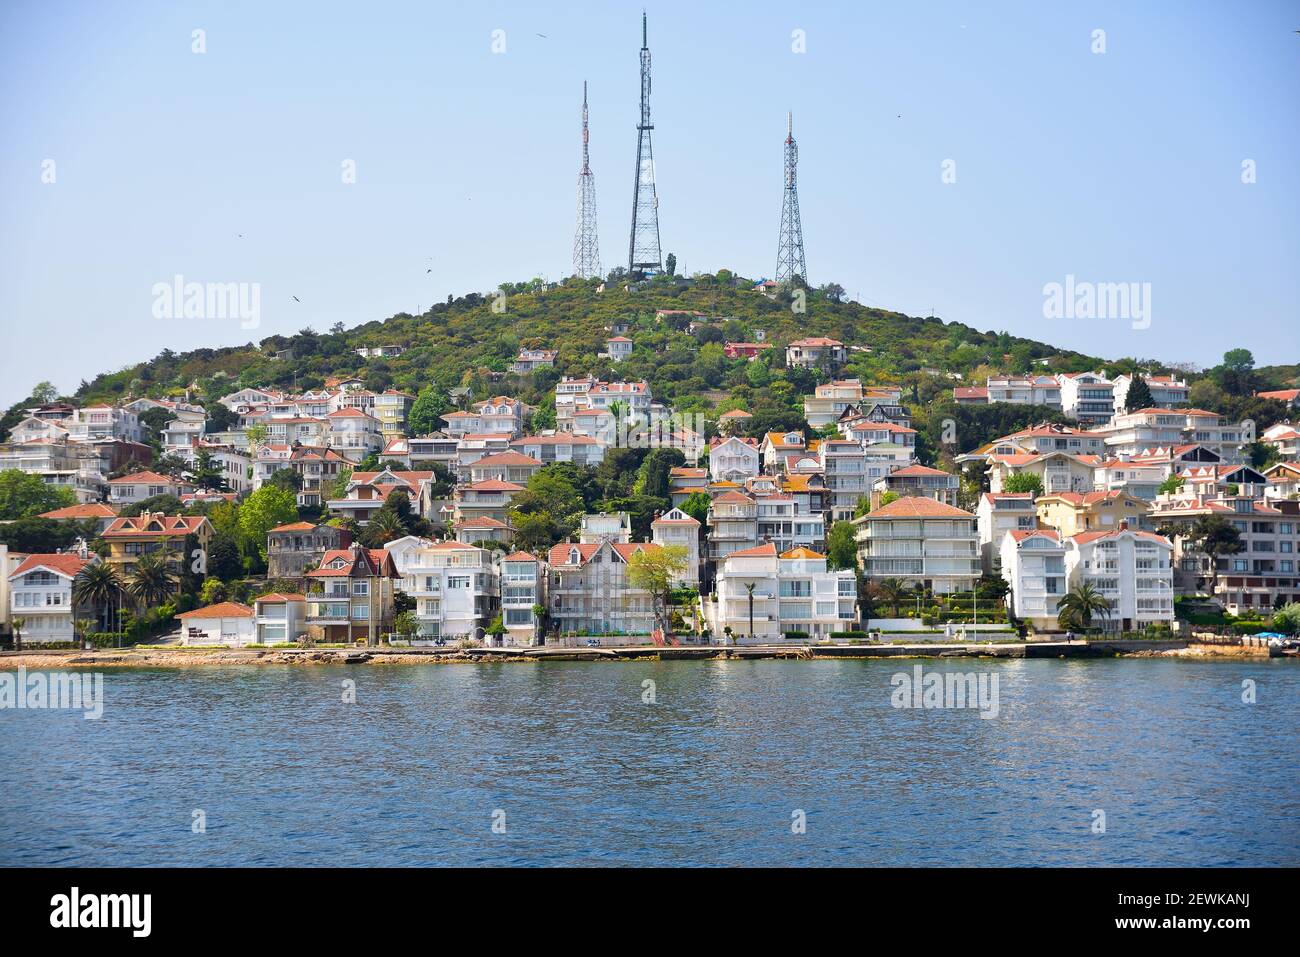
<point x="643" y="249"/>
<point x="789" y="251"/>
<point x="586" y="248"/>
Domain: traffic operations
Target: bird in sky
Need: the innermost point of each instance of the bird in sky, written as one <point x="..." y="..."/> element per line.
<point x="296" y="299"/>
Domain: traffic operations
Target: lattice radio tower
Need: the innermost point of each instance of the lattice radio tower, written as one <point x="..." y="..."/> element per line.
<point x="586" y="247"/>
<point x="789" y="252"/>
<point x="643" y="250"/>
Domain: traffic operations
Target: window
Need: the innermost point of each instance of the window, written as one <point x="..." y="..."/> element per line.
<point x="458" y="581"/>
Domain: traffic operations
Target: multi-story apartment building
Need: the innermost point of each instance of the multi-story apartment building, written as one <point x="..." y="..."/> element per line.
<point x="1133" y="433"/>
<point x="489" y="499"/>
<point x="589" y="591"/>
<point x="139" y="486"/>
<point x="733" y="459"/>
<point x="235" y="464"/>
<point x="153" y="532"/>
<point x="354" y="434"/>
<point x="455" y="586"/>
<point x="1032" y="562"/>
<point x="675" y="527"/>
<point x="561" y="447"/>
<point x="58" y="462"/>
<point x="780" y="522"/>
<point x="1057" y="471"/>
<point x="918" y="480"/>
<point x="848" y="473"/>
<point x="499" y="415"/>
<point x="1073" y="512"/>
<point x="476" y="445"/>
<point x="1263" y="575"/>
<point x="1166" y="391"/>
<point x="350" y="595"/>
<point x="100" y="513"/>
<point x="472" y="531"/>
<point x="792" y="592"/>
<point x="523" y="589"/>
<point x="40" y="595"/>
<point x="1087" y="396"/>
<point x="293" y="548"/>
<point x="733" y="524"/>
<point x="1133" y="570"/>
<point x="921" y="541"/>
<point x="1140" y="477"/>
<point x="96" y="422"/>
<point x="319" y="468"/>
<point x="505" y="466"/>
<point x="816" y="352"/>
<point x="1025" y="390"/>
<point x="998" y="513"/>
<point x="391" y="409"/>
<point x="685" y="480"/>
<point x="829" y="400"/>
<point x="881" y="437"/>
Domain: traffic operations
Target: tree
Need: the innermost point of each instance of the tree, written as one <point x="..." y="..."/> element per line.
<point x="696" y="505"/>
<point x="749" y="593"/>
<point x="655" y="570"/>
<point x="1287" y="618"/>
<point x="286" y="479"/>
<point x="224" y="561"/>
<point x="1214" y="536"/>
<point x="892" y="590"/>
<point x="25" y="496"/>
<point x="1023" y="482"/>
<point x="1139" y="395"/>
<point x="17" y="625"/>
<point x="256" y="434"/>
<point x="167" y="504"/>
<point x="841" y="546"/>
<point x="98" y="585"/>
<point x="1171" y="485"/>
<point x="426" y="412"/>
<point x="262" y="511"/>
<point x="496" y="629"/>
<point x="151" y="582"/>
<point x="1076" y="608"/>
<point x="670" y="264"/>
<point x="406" y="624"/>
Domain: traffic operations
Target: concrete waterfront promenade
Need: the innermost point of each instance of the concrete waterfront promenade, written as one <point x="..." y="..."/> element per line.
<point x="171" y="657"/>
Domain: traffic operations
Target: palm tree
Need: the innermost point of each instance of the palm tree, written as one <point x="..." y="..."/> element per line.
<point x="1076" y="608"/>
<point x="100" y="586"/>
<point x="892" y="590"/>
<point x="18" y="624"/>
<point x="383" y="528"/>
<point x="152" y="582"/>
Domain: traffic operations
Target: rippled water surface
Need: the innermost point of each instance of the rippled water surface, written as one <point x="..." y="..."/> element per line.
<point x="582" y="771"/>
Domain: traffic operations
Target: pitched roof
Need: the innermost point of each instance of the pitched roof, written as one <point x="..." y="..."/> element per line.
<point x="87" y="510"/>
<point x="520" y="557"/>
<point x="736" y="414"/>
<point x="149" y="478"/>
<point x="171" y="526"/>
<point x="917" y="507"/>
<point x="766" y="550"/>
<point x="505" y="458"/>
<point x="911" y="470"/>
<point x="800" y="552"/>
<point x="280" y="598"/>
<point x="224" y="609"/>
<point x="295" y="527"/>
<point x="63" y="563"/>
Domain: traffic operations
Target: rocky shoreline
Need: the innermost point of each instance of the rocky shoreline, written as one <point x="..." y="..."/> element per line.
<point x="230" y="657"/>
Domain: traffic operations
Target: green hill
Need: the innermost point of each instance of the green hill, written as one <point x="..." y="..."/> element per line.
<point x="470" y="341"/>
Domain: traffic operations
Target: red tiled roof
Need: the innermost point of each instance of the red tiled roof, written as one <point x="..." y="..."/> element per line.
<point x="766" y="550"/>
<point x="87" y="510"/>
<point x="225" y="609"/>
<point x="505" y="458"/>
<point x="917" y="507"/>
<point x="145" y="478"/>
<point x="280" y="598"/>
<point x="169" y="525"/>
<point x="62" y="563"/>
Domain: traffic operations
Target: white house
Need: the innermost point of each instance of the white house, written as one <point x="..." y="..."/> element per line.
<point x="1132" y="569"/>
<point x="279" y="617"/>
<point x="40" y="594"/>
<point x="618" y="348"/>
<point x="226" y="623"/>
<point x="792" y="593"/>
<point x="733" y="459"/>
<point x="454" y="585"/>
<point x="1032" y="561"/>
<point x="998" y="513"/>
<point x="675" y="527"/>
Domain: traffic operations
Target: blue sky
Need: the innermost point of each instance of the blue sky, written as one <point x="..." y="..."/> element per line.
<point x="1116" y="167"/>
